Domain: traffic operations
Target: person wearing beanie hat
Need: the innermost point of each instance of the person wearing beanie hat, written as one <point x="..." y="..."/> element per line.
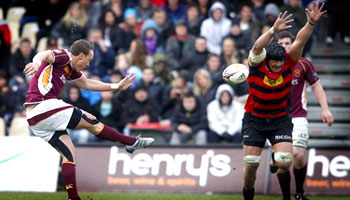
<point x="129" y="12"/>
<point x="161" y="69"/>
<point x="271" y="9"/>
<point x="126" y="31"/>
<point x="149" y="34"/>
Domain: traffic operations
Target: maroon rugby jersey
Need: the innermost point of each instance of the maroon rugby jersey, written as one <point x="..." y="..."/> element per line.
<point x="48" y="82"/>
<point x="268" y="91"/>
<point x="303" y="73"/>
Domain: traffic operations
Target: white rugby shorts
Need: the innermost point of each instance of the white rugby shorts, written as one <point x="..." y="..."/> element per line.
<point x="49" y="116"/>
<point x="300" y="133"/>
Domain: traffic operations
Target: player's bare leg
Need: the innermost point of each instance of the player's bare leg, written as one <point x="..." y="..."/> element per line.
<point x="283" y="157"/>
<point x="299" y="170"/>
<point x="89" y="122"/>
<point x="63" y="144"/>
<point x="251" y="164"/>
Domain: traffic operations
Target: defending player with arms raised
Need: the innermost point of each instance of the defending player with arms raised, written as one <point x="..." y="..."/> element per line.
<point x="266" y="114"/>
<point x="49" y="117"/>
<point x="303" y="74"/>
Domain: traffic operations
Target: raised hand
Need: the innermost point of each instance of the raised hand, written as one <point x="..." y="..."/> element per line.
<point x="315" y="14"/>
<point x="282" y="22"/>
<point x="126" y="82"/>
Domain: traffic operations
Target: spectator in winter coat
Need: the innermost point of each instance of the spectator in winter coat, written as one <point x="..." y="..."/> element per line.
<point x="193" y="19"/>
<point x="149" y="34"/>
<point x="196" y="59"/>
<point x="140" y="109"/>
<point x="152" y="84"/>
<point x="215" y="27"/>
<point x="104" y="57"/>
<point x="109" y="111"/>
<point x="172" y="97"/>
<point x="73" y="25"/>
<point x="165" y="25"/>
<point x="215" y="68"/>
<point x="179" y="45"/>
<point x="144" y="10"/>
<point x="225" y="117"/>
<point x="189" y="122"/>
<point x="23" y="55"/>
<point x="247" y="22"/>
<point x="203" y="87"/>
<point x="243" y="43"/>
<point x="175" y="10"/>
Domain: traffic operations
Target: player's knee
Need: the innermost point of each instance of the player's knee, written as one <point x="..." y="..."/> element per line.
<point x="298" y="156"/>
<point x="97" y="128"/>
<point x="251" y="162"/>
<point x="283" y="159"/>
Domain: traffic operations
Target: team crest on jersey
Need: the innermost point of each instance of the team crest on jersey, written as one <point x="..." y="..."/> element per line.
<point x="297" y="73"/>
<point x="57" y="51"/>
<point x="273" y="82"/>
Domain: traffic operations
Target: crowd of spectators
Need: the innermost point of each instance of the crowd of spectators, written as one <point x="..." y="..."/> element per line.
<point x="176" y="48"/>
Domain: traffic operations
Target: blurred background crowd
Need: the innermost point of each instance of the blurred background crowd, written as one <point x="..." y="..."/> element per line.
<point x="176" y="48"/>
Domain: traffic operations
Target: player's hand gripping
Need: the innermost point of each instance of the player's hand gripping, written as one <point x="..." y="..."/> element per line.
<point x="315" y="13"/>
<point x="327" y="117"/>
<point x="125" y="83"/>
<point x="282" y="22"/>
<point x="31" y="69"/>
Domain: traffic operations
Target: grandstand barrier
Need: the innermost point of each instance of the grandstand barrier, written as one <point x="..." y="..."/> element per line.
<point x="193" y="169"/>
<point x="161" y="133"/>
<point x="15" y="14"/>
<point x="340" y="114"/>
<point x="334" y="97"/>
<point x="335" y="81"/>
<point x="338" y="130"/>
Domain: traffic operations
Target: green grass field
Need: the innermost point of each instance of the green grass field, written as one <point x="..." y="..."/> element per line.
<point x="126" y="196"/>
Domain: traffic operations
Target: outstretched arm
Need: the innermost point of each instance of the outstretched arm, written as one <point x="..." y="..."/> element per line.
<point x="303" y="35"/>
<point x="327" y="116"/>
<point x="44" y="56"/>
<point x="280" y="24"/>
<point x="95" y="85"/>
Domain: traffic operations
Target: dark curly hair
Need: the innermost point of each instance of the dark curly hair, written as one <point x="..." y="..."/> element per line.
<point x="274" y="51"/>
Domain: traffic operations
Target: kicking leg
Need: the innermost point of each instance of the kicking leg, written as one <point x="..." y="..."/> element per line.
<point x="89" y="122"/>
<point x="63" y="144"/>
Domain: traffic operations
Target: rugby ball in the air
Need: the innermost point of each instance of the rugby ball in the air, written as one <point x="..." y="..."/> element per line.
<point x="235" y="73"/>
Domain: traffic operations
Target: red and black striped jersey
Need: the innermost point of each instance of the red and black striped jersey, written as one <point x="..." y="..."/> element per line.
<point x="269" y="92"/>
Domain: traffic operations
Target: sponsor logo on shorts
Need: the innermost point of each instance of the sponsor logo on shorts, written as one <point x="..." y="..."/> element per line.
<point x="283" y="137"/>
<point x="302" y="136"/>
<point x="245" y="136"/>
